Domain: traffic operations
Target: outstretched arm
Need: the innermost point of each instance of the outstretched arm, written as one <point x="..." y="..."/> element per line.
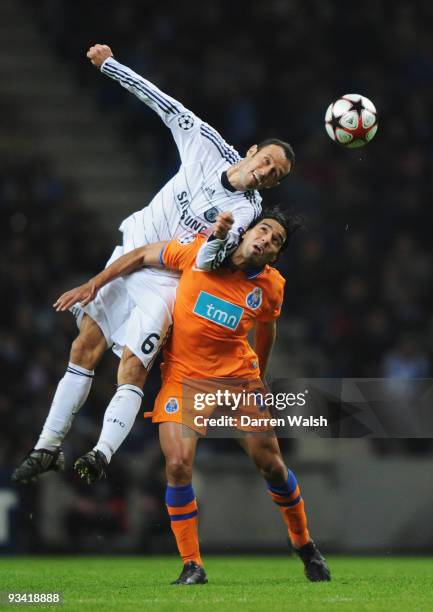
<point x="148" y="255"/>
<point x="101" y="56"/>
<point x="195" y="139"/>
<point x="264" y="339"/>
<point x="182" y="122"/>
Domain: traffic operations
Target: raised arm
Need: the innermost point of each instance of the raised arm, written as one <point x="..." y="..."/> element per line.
<point x="101" y="56"/>
<point x="148" y="255"/>
<point x="194" y="138"/>
<point x="181" y="121"/>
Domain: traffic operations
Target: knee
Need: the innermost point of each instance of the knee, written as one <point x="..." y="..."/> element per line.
<point x="131" y="370"/>
<point x="179" y="470"/>
<point x="273" y="470"/>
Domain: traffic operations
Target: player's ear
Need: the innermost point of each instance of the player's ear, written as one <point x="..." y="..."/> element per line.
<point x="252" y="151"/>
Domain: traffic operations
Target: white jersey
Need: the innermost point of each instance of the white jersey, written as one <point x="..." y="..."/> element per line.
<point x="191" y="200"/>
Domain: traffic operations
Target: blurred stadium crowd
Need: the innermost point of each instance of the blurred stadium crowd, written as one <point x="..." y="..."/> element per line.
<point x="359" y="292"/>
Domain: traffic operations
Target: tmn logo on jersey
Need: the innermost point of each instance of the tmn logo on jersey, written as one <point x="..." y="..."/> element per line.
<point x="218" y="311"/>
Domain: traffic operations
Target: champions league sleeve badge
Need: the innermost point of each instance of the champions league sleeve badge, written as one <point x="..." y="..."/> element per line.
<point x="185" y="122"/>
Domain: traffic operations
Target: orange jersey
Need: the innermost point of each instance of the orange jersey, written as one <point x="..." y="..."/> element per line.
<point x="213" y="314"/>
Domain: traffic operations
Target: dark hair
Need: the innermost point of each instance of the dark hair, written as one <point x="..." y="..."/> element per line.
<point x="291" y="223"/>
<point x="287" y="148"/>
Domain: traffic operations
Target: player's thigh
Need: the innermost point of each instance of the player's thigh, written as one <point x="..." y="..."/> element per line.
<point x="90" y="330"/>
<point x="111" y="307"/>
<point x="90" y="344"/>
<point x="144" y="286"/>
<point x="147" y="330"/>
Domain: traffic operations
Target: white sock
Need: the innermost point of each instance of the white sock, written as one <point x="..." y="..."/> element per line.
<point x="119" y="419"/>
<point x="70" y="395"/>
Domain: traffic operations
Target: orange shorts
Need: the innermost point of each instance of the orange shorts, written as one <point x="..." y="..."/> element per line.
<point x="222" y="403"/>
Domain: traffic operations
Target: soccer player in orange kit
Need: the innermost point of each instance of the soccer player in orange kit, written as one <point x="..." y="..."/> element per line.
<point x="213" y="314"/>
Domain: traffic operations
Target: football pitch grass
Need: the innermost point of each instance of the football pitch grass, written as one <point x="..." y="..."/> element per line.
<point x="235" y="583"/>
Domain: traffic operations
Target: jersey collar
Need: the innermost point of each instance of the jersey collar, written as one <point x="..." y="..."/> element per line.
<point x="226" y="183"/>
<point x="251" y="273"/>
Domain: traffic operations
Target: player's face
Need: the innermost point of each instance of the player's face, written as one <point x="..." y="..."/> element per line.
<point x="265" y="168"/>
<point x="262" y="243"/>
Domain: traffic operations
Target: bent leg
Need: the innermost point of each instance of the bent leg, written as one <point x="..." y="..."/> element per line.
<point x="124" y="405"/>
<point x="141" y="339"/>
<point x="89" y="346"/>
<point x="282" y="485"/>
<point x="284" y="491"/>
<point x="73" y="389"/>
<point x="179" y="453"/>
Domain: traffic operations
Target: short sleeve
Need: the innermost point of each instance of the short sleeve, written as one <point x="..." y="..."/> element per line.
<point x="272" y="307"/>
<point x="181" y="253"/>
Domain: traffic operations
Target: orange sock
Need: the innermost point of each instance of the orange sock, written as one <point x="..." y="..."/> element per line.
<point x="183" y="512"/>
<point x="291" y="505"/>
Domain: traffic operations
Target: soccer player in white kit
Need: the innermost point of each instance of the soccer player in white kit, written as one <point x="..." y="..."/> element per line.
<point x="132" y="315"/>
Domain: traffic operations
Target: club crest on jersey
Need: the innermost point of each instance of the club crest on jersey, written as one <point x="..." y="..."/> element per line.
<point x="185" y="121"/>
<point x="171" y="406"/>
<point x="254" y="298"/>
<point x="211" y="214"/>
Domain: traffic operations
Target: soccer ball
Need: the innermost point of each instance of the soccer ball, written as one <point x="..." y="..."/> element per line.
<point x="351" y="121"/>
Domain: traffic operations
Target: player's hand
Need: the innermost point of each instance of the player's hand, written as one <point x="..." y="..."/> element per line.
<point x="98" y="54"/>
<point x="223" y="224"/>
<point x="83" y="294"/>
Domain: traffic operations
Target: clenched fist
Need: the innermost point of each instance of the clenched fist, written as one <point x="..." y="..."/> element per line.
<point x="98" y="54"/>
<point x="223" y="224"/>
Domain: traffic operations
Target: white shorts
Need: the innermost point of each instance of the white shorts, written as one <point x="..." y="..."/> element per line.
<point x="134" y="311"/>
